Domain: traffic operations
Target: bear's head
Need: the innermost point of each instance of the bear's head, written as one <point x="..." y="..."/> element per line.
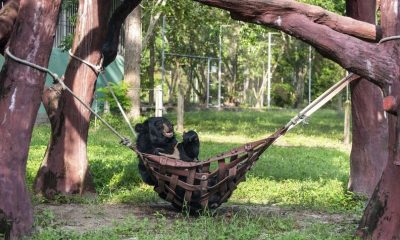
<point x="156" y="134"/>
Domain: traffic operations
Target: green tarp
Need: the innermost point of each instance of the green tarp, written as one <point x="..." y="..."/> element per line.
<point x="58" y="64"/>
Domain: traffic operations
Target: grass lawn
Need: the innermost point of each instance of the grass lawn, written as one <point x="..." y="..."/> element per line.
<point x="303" y="175"/>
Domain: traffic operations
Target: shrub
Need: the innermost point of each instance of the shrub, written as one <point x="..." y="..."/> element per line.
<point x="121" y="90"/>
<point x="283" y="94"/>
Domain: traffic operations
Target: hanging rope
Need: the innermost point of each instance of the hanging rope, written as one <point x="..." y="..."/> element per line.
<point x="389" y="39"/>
<point x="321" y="100"/>
<point x="97" y="68"/>
<point x="125" y="141"/>
<point x="100" y="71"/>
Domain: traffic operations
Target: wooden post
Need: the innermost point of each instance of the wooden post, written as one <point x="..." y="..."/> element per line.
<point x="180" y="109"/>
<point x="158" y="96"/>
<point x="347" y="119"/>
<point x="106" y="108"/>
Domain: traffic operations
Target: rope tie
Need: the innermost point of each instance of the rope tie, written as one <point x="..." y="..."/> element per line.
<point x="396" y="37"/>
<point x="124" y="141"/>
<point x="100" y="71"/>
<point x="97" y="68"/>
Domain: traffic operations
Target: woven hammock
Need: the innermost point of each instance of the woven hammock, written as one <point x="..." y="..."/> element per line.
<point x="196" y="185"/>
<point x="199" y="185"/>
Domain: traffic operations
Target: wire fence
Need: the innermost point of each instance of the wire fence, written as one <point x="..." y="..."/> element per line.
<point x="66" y="25"/>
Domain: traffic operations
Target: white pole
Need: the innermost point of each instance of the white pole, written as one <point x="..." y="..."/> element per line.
<point x="309" y="74"/>
<point x="159" y="102"/>
<point x="95" y="110"/>
<point x="208" y="81"/>
<point x="269" y="71"/>
<point x="219" y="67"/>
<point x="163" y="51"/>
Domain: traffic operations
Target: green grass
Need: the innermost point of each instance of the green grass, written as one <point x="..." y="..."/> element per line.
<point x="305" y="170"/>
<point x="241" y="225"/>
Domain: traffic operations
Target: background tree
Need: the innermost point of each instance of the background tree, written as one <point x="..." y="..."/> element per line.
<point x="133" y="50"/>
<point x="370" y="131"/>
<point x="21" y="87"/>
<point x="65" y="166"/>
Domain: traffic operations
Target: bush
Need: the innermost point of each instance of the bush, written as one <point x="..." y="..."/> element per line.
<point x="121" y="90"/>
<point x="283" y="94"/>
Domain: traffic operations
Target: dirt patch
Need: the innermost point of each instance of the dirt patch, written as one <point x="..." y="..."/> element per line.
<point x="84" y="217"/>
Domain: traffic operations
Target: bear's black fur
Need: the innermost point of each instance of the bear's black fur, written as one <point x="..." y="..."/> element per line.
<point x="189" y="148"/>
<point x="155" y="135"/>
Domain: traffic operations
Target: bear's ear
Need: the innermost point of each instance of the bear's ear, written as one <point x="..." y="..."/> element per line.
<point x="140" y="128"/>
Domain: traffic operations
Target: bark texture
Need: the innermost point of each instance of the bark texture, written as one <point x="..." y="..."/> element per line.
<point x="133" y="50"/>
<point x="20" y="90"/>
<point x="8" y="15"/>
<point x="370" y="130"/>
<point x="65" y="166"/>
<point x="381" y="218"/>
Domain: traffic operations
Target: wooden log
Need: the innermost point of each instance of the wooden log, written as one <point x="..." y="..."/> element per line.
<point x="391" y="104"/>
<point x="330" y="34"/>
<point x="253" y="10"/>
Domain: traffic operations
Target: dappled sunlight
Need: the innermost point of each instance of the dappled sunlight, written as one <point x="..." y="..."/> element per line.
<point x="326" y="195"/>
<point x="135" y="194"/>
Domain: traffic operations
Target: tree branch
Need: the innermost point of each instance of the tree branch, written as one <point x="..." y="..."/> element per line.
<point x="254" y="9"/>
<point x="329" y="33"/>
<point x="8" y="15"/>
<point x="153" y="21"/>
<point x="110" y="46"/>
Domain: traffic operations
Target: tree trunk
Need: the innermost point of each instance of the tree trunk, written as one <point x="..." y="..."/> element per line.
<point x="151" y="68"/>
<point x="299" y="75"/>
<point x="347" y="119"/>
<point x="133" y="50"/>
<point x="65" y="166"/>
<point x="20" y="90"/>
<point x="180" y="110"/>
<point x="381" y="218"/>
<point x="369" y="149"/>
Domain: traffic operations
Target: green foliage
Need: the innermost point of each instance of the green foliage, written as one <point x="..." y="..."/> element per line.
<point x="283" y="94"/>
<point x="66" y="43"/>
<point x="120" y="90"/>
<point x="337" y="6"/>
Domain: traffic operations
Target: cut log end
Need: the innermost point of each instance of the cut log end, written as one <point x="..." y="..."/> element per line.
<point x="390" y="105"/>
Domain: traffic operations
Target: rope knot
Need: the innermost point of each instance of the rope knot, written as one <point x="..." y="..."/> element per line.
<point x="126" y="142"/>
<point x="97" y="68"/>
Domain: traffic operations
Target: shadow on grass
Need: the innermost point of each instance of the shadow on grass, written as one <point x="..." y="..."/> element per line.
<point x="325" y="123"/>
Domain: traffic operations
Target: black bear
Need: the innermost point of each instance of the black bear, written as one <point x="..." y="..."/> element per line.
<point x="189" y="148"/>
<point x="156" y="136"/>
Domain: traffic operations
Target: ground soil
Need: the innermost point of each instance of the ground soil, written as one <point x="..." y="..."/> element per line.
<point x="85" y="217"/>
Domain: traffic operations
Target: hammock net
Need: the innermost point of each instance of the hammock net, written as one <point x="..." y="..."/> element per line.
<point x="205" y="184"/>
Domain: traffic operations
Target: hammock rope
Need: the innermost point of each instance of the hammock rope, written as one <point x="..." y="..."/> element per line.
<point x="200" y="185"/>
<point x="99" y="70"/>
<point x="125" y="141"/>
